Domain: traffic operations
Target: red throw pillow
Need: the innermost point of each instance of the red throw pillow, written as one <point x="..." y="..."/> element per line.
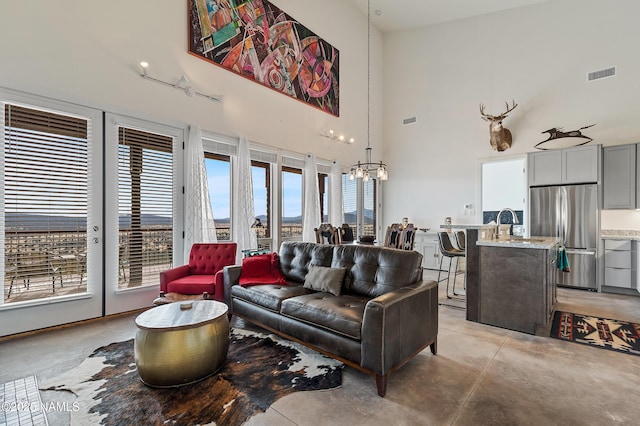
<point x="261" y="269"/>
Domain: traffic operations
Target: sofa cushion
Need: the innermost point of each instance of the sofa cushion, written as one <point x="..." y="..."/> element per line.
<point x="339" y="314"/>
<point x="261" y="269"/>
<point x="321" y="278"/>
<point x="193" y="284"/>
<point x="268" y="296"/>
<point x="295" y="258"/>
<point x="374" y="271"/>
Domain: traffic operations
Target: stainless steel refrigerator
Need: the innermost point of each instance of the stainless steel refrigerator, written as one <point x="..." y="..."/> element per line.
<point x="571" y="213"/>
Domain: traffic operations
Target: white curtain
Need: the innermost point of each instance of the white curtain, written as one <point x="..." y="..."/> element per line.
<point x="311" y="215"/>
<point x="199" y="226"/>
<point x="336" y="215"/>
<point x="244" y="213"/>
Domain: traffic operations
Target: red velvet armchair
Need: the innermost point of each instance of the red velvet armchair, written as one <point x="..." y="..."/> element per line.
<point x="203" y="273"/>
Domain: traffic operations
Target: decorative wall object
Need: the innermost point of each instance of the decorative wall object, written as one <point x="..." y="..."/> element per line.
<point x="499" y="137"/>
<point x="255" y="39"/>
<point x="575" y="138"/>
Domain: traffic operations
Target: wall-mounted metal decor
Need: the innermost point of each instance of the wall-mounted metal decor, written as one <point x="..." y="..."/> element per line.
<point x="569" y="139"/>
<point x="255" y="39"/>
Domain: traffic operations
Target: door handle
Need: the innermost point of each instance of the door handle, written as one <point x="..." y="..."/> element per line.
<point x="589" y="253"/>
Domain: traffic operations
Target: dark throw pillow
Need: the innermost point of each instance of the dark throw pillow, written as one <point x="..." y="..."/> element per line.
<point x="322" y="278"/>
<point x="261" y="269"/>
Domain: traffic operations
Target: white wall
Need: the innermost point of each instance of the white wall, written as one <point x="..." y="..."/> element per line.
<point x="89" y="52"/>
<point x="503" y="185"/>
<point x="539" y="56"/>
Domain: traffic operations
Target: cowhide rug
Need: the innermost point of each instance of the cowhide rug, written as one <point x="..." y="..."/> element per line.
<point x="259" y="370"/>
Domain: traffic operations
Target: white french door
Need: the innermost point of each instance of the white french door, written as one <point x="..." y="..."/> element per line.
<point x="144" y="208"/>
<point x="50" y="213"/>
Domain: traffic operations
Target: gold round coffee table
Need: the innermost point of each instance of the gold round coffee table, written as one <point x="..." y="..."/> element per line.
<point x="181" y="343"/>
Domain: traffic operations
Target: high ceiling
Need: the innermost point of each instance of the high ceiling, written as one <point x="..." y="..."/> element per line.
<point x="405" y="14"/>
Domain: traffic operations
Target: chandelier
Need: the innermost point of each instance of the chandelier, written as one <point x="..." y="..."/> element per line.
<point x="364" y="169"/>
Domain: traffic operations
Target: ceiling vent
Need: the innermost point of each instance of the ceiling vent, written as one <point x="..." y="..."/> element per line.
<point x="597" y="75"/>
<point x="409" y="120"/>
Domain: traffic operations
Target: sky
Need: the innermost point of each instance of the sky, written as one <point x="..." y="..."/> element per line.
<point x="218" y="176"/>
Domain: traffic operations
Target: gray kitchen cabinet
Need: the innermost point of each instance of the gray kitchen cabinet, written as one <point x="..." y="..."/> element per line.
<point x="581" y="164"/>
<point x="619" y="177"/>
<point x="545" y="168"/>
<point x="564" y="166"/>
<point x="620" y="263"/>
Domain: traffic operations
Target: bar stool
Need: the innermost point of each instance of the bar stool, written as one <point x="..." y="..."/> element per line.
<point x="447" y="250"/>
<point x="461" y="239"/>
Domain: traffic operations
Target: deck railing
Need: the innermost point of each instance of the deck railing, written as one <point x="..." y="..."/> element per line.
<point x="42" y="264"/>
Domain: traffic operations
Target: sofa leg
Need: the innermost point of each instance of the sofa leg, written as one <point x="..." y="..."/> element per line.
<point x="381" y="383"/>
<point x="434" y="346"/>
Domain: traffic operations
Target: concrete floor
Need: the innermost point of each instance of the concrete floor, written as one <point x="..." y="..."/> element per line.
<point x="481" y="375"/>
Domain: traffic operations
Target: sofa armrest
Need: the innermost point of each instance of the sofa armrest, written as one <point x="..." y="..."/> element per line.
<point x="231" y="276"/>
<point x="398" y="324"/>
<point x="173" y="274"/>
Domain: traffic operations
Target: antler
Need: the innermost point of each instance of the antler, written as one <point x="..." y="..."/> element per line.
<point x="482" y="112"/>
<point x="509" y="109"/>
<point x="498" y="117"/>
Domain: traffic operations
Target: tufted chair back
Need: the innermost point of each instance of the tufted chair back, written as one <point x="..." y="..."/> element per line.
<point x="207" y="259"/>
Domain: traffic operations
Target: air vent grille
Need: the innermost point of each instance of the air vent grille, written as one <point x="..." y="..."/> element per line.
<point x="597" y="75"/>
<point x="409" y="120"/>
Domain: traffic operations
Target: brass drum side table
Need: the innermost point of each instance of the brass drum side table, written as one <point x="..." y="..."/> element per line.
<point x="181" y="343"/>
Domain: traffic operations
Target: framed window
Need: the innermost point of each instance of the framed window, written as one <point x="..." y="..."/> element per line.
<point x="323" y="188"/>
<point x="145" y="206"/>
<point x="291" y="201"/>
<point x="261" y="176"/>
<point x="369" y="211"/>
<point x="46" y="203"/>
<point x="350" y="202"/>
<point x="219" y="181"/>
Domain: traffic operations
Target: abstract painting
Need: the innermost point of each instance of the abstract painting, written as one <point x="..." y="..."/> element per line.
<point x="257" y="40"/>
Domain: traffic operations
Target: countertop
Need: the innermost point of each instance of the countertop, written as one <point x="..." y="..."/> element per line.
<point x="619" y="234"/>
<point x="466" y="226"/>
<point x="542" y="243"/>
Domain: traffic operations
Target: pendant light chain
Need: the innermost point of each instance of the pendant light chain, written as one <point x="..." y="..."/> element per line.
<point x="363" y="169"/>
<point x="369" y="76"/>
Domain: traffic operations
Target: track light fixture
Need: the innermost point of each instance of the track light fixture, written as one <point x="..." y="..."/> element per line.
<point x="182" y="84"/>
<point x="339" y="138"/>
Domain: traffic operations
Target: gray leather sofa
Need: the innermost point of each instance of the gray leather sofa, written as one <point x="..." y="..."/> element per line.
<point x="385" y="313"/>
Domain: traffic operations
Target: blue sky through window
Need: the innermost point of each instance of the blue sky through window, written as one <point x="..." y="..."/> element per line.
<point x="219" y="180"/>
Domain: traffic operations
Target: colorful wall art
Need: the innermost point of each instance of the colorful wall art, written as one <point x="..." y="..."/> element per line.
<point x="255" y="39"/>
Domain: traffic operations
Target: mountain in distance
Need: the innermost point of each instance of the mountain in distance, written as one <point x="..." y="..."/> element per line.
<point x="348" y="218"/>
<point x="38" y="222"/>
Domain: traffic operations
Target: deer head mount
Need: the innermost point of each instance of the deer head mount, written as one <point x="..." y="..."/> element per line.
<point x="499" y="137"/>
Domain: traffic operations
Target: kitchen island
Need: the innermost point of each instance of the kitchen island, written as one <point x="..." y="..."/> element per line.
<point x="516" y="289"/>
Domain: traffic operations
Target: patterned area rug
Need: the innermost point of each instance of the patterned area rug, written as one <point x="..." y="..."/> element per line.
<point x="259" y="370"/>
<point x="620" y="336"/>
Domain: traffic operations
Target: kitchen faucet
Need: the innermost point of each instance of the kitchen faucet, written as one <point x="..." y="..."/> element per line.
<point x="514" y="218"/>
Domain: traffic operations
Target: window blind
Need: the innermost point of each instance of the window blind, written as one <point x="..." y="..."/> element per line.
<point x="145" y="206"/>
<point x="349" y="201"/>
<point x="45" y="200"/>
